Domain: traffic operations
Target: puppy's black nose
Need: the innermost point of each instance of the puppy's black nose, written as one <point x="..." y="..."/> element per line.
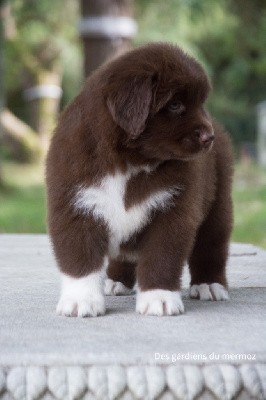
<point x="205" y="136"/>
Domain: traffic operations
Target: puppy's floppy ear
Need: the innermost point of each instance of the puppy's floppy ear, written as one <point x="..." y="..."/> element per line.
<point x="129" y="104"/>
<point x="160" y="99"/>
<point x="163" y="91"/>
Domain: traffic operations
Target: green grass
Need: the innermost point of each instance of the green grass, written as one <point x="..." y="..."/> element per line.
<point x="22" y="202"/>
<point x="250" y="205"/>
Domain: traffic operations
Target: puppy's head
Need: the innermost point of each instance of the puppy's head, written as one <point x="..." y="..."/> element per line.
<point x="156" y="96"/>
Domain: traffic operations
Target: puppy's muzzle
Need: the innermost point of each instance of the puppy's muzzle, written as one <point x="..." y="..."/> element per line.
<point x="205" y="136"/>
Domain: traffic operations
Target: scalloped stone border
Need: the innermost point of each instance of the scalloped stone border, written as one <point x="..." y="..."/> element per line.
<point x="188" y="382"/>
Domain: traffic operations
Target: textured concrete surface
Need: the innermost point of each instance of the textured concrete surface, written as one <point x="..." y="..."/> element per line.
<point x="208" y="332"/>
<point x="216" y="350"/>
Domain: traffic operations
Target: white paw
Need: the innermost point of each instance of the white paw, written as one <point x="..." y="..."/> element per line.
<point x="115" y="288"/>
<point x="82" y="297"/>
<point x="159" y="302"/>
<point x="87" y="307"/>
<point x="214" y="291"/>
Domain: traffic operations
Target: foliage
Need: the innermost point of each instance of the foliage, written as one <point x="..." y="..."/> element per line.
<point x="45" y="33"/>
<point x="40" y="46"/>
<point x="229" y="37"/>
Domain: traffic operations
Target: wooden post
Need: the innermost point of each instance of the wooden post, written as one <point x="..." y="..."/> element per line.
<point x="106" y="28"/>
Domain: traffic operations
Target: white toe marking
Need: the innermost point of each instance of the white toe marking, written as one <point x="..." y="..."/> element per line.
<point x="159" y="302"/>
<point x="214" y="291"/>
<point x="136" y="288"/>
<point x="219" y="291"/>
<point x="115" y="288"/>
<point x="82" y="297"/>
<point x="201" y="291"/>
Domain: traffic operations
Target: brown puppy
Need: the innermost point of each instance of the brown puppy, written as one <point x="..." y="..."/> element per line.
<point x="135" y="179"/>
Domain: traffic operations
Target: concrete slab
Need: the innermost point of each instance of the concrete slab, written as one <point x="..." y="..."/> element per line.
<point x="214" y="350"/>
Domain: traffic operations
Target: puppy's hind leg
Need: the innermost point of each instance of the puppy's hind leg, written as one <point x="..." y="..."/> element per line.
<point x="207" y="263"/>
<point x="120" y="278"/>
<point x="80" y="248"/>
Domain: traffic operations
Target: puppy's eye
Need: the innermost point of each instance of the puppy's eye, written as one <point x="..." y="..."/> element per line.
<point x="176" y="107"/>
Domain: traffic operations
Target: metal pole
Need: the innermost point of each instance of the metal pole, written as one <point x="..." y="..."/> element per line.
<point x="261" y="137"/>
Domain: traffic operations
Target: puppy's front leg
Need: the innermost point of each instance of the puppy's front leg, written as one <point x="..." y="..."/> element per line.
<point x="82" y="297"/>
<point x="80" y="246"/>
<point x="165" y="248"/>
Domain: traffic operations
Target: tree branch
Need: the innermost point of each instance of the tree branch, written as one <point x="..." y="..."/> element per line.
<point x="20" y="132"/>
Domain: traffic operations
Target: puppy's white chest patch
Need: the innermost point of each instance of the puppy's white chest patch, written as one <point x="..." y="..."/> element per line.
<point x="106" y="202"/>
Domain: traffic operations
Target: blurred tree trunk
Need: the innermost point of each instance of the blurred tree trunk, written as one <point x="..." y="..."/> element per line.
<point x="12" y="129"/>
<point x="106" y="27"/>
<point x="43" y="94"/>
<point x="2" y="92"/>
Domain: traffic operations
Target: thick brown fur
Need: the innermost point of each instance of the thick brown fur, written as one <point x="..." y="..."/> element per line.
<point x="129" y="113"/>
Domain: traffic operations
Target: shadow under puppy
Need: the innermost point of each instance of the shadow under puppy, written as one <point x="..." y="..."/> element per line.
<point x="139" y="182"/>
